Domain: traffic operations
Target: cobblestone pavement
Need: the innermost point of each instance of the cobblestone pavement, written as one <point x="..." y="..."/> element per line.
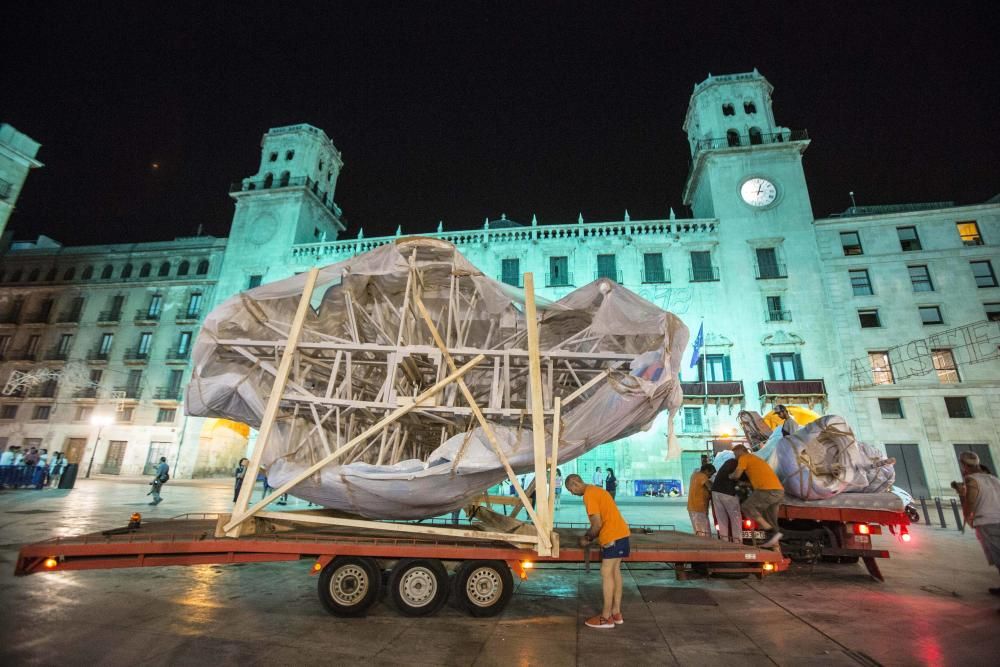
<point x="933" y="608"/>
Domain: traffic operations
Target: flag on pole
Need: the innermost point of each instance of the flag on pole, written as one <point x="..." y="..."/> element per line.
<point x="699" y="341"/>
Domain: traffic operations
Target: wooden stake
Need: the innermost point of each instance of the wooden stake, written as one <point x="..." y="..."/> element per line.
<point x="554" y="460"/>
<point x="537" y="405"/>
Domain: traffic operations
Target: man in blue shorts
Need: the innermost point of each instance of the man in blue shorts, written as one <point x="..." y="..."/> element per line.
<point x="610" y="530"/>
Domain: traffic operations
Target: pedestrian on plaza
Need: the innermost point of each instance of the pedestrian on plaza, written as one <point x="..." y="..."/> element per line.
<point x="980" y="494"/>
<point x="598" y="478"/>
<point x="18" y="456"/>
<point x="699" y="495"/>
<point x="241" y="472"/>
<point x="559" y="486"/>
<point x="789" y="425"/>
<point x="162" y="476"/>
<point x="31" y="458"/>
<point x="43" y="458"/>
<point x="55" y="468"/>
<point x="7" y="458"/>
<point x="611" y="483"/>
<point x="768" y="493"/>
<point x="609" y="529"/>
<point x="726" y="503"/>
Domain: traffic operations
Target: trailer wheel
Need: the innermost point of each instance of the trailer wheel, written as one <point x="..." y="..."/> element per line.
<point x="419" y="587"/>
<point x="349" y="586"/>
<point x="483" y="587"/>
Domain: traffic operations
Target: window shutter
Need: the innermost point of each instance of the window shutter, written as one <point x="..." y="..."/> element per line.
<point x="797" y="361"/>
<point x="770" y="366"/>
<point x="727" y="371"/>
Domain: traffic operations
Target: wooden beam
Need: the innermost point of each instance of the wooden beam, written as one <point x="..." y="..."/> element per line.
<point x="554" y="460"/>
<point x="537" y="404"/>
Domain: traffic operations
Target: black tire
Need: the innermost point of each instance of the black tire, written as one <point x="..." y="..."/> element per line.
<point x="482" y="587"/>
<point x="913" y="514"/>
<point x="349" y="586"/>
<point x="418" y="587"/>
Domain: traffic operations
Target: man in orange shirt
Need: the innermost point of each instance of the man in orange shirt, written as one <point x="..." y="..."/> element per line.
<point x="768" y="493"/>
<point x="610" y="530"/>
<point x="699" y="495"/>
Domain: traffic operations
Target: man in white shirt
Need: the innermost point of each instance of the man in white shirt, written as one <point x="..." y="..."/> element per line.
<point x="7" y="458"/>
<point x="789" y="426"/>
<point x="598" y="479"/>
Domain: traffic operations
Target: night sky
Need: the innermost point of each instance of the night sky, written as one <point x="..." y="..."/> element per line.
<point x="459" y="111"/>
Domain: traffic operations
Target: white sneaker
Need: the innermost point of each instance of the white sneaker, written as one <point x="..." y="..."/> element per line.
<point x="773" y="541"/>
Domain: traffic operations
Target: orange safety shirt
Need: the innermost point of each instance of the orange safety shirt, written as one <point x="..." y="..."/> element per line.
<point x="762" y="477"/>
<point x="698" y="493"/>
<point x="598" y="501"/>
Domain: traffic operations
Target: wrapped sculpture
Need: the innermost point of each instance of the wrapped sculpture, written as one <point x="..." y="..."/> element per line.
<point x="366" y="349"/>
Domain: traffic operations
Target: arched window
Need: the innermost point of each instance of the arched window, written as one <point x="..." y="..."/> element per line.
<point x="88" y="272"/>
<point x="33" y="276"/>
<point x="749" y="107"/>
<point x="106" y="272"/>
<point x="268" y="180"/>
<point x="16" y="276"/>
<point x="51" y="275"/>
<point x="145" y="270"/>
<point x="285" y="176"/>
<point x="728" y="109"/>
<point x="164" y="269"/>
<point x="321" y="165"/>
<point x="755" y="136"/>
<point x="289" y="155"/>
<point x="202" y="269"/>
<point x="733" y="137"/>
<point x="126" y="271"/>
<point x="183" y="267"/>
<point x="70" y="273"/>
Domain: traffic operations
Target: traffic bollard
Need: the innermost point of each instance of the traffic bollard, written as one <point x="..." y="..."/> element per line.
<point x="958" y="516"/>
<point x="937" y="503"/>
<point x="927" y="514"/>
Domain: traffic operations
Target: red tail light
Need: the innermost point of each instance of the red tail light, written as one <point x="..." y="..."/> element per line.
<point x="861" y="529"/>
<point x="749" y="524"/>
<point x="904" y="534"/>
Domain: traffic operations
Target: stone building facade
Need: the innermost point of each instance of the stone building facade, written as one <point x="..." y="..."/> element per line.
<point x="775" y="289"/>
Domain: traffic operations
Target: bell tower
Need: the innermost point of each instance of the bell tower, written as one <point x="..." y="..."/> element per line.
<point x="289" y="201"/>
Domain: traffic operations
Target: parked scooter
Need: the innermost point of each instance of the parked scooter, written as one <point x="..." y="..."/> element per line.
<point x="908" y="504"/>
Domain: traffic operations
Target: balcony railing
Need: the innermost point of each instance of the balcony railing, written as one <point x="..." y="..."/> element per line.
<point x="146" y="315"/>
<point x="659" y="276"/>
<point x="167" y="394"/>
<point x="22" y="355"/>
<point x="188" y="316"/>
<point x="55" y="354"/>
<point x="792" y="391"/>
<point x="513" y="281"/>
<point x="110" y="316"/>
<point x="703" y="274"/>
<point x="778" y="316"/>
<point x="178" y="354"/>
<point x="737" y="140"/>
<point x="720" y="392"/>
<point x="44" y="390"/>
<point x="98" y="355"/>
<point x="769" y="271"/>
<point x="85" y="392"/>
<point x="134" y="354"/>
<point x="69" y="317"/>
<point x="309" y="184"/>
<point x="615" y="275"/>
<point x="133" y="393"/>
<point x="10" y="317"/>
<point x="38" y="317"/>
<point x="559" y="280"/>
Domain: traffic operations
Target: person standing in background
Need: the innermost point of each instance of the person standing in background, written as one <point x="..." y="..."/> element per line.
<point x="727" y="503"/>
<point x="559" y="486"/>
<point x="611" y="483"/>
<point x="598" y="479"/>
<point x="699" y="494"/>
<point x="241" y="473"/>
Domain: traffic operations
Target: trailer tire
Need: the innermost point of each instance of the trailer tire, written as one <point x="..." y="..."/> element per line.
<point x="418" y="586"/>
<point x="349" y="586"/>
<point x="482" y="587"/>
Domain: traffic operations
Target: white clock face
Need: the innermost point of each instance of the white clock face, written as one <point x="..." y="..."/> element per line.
<point x="758" y="192"/>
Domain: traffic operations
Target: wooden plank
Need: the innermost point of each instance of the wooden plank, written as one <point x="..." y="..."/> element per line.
<point x="537" y="405"/>
<point x="554" y="459"/>
<point x="274" y="400"/>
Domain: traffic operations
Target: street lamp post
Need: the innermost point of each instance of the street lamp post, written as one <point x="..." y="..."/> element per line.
<point x="100" y="421"/>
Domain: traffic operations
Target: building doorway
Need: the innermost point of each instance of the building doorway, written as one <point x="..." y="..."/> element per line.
<point x="909" y="469"/>
<point x="115" y="456"/>
<point x="983" y="451"/>
<point x="74" y="449"/>
<point x="156" y="450"/>
<point x="691" y="461"/>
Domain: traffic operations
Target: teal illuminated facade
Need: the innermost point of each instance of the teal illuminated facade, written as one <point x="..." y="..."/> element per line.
<point x="779" y="292"/>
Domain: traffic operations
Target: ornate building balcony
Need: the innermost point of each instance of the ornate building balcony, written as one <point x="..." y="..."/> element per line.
<point x="809" y="392"/>
<point x="85" y="392"/>
<point x="188" y="316"/>
<point x="615" y="275"/>
<point x="68" y="317"/>
<point x="44" y="390"/>
<point x="55" y="354"/>
<point x="703" y="274"/>
<point x="109" y="317"/>
<point x="131" y="393"/>
<point x="134" y="355"/>
<point x="735" y="139"/>
<point x="559" y="279"/>
<point x="21" y="355"/>
<point x="777" y="316"/>
<point x="655" y="277"/>
<point x="98" y="355"/>
<point x="37" y="317"/>
<point x="513" y="281"/>
<point x="769" y="271"/>
<point x="146" y="315"/>
<point x="720" y="393"/>
<point x="10" y="317"/>
<point x="177" y="355"/>
<point x="174" y="394"/>
<point x="303" y="182"/>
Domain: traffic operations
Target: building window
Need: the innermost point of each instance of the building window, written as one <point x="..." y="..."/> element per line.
<point x="692" y="420"/>
<point x="8" y="412"/>
<point x="920" y="278"/>
<point x="784" y="366"/>
<point x="944" y="364"/>
<point x="106" y="341"/>
<point x="164" y="270"/>
<point x="126" y="271"/>
<point x="33" y="275"/>
<point x="860" y="282"/>
<point x="558" y="272"/>
<point x="767" y="264"/>
<point x="194" y="306"/>
<point x="701" y="267"/>
<point x="728" y="109"/>
<point x="202" y="269"/>
<point x="881" y="367"/>
<point x="70" y="273"/>
<point x="652" y="268"/>
<point x="145" y="270"/>
<point x="51" y="275"/>
<point x="732" y="137"/>
<point x="125" y="416"/>
<point x="755" y="136"/>
<point x="510" y="271"/>
<point x="41" y="412"/>
<point x="983" y="271"/>
<point x="184" y="342"/>
<point x="968" y="231"/>
<point x="958" y="407"/>
<point x="930" y="314"/>
<point x="869" y="318"/>
<point x="183" y="268"/>
<point x="83" y="413"/>
<point x="254" y="281"/>
<point x="775" y="313"/>
<point x="155" y="306"/>
<point x="851" y="243"/>
<point x="174" y="383"/>
<point x="289" y="155"/>
<point x="908" y="239"/>
<point x="166" y="415"/>
<point x="145" y="342"/>
<point x="268" y="180"/>
<point x="607" y="267"/>
<point x="273" y="157"/>
<point x="65" y="340"/>
<point x="749" y="108"/>
<point x="717" y="368"/>
<point x="992" y="311"/>
<point x="88" y="273"/>
<point x="106" y="272"/>
<point x="891" y="408"/>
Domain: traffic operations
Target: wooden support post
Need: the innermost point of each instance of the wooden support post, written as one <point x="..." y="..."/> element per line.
<point x="554" y="460"/>
<point x="392" y="417"/>
<point x="537" y="407"/>
<point x="274" y="400"/>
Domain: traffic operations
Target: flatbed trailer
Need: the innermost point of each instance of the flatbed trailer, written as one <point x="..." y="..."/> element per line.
<point x="355" y="565"/>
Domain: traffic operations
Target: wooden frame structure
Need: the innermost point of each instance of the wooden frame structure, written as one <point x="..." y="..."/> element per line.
<point x="422" y="381"/>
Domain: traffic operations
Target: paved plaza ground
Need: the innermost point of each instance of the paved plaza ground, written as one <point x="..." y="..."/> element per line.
<point x="932" y="609"/>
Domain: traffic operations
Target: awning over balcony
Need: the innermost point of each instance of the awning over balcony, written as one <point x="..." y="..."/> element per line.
<point x="720" y="393"/>
<point x="810" y="392"/>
